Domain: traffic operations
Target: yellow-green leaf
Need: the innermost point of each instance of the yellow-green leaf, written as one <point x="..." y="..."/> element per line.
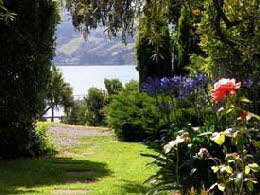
<point x="247" y="170"/>
<point x="256" y="143"/>
<point x="229" y="169"/>
<point x="245" y="100"/>
<point x="218" y="138"/>
<point x="253" y="115"/>
<point x="254" y="167"/>
<point x="221" y="187"/>
<point x="215" y="169"/>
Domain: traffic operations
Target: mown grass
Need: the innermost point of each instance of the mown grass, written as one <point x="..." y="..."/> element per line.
<point x="116" y="168"/>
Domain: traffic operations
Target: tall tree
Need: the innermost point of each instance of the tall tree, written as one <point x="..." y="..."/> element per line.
<point x="59" y="93"/>
<point x="153" y="60"/>
<point x="26" y="47"/>
<point x="95" y="102"/>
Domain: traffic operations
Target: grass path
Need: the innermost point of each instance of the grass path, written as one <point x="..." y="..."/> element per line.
<point x="97" y="164"/>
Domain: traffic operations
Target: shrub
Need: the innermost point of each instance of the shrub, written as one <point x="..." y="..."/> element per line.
<point x="95" y="102"/>
<point x="113" y="86"/>
<point x="42" y="142"/>
<point x="77" y="114"/>
<point x="132" y="114"/>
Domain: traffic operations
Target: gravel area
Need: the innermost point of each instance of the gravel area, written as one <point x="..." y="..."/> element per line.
<point x="67" y="136"/>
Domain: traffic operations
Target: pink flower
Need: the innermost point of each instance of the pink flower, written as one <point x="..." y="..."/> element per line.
<point x="223" y="88"/>
<point x="235" y="154"/>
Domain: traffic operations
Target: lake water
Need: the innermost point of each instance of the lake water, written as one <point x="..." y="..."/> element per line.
<point x="81" y="78"/>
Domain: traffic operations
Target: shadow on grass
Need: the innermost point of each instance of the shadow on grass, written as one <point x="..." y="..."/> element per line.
<point x="130" y="187"/>
<point x="46" y="172"/>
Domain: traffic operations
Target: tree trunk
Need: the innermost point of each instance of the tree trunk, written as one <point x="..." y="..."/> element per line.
<point x="52" y="113"/>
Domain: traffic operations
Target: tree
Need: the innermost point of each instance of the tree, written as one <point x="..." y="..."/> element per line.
<point x="229" y="33"/>
<point x="59" y="93"/>
<point x="77" y="114"/>
<point x="113" y="86"/>
<point x="95" y="102"/>
<point x="26" y="47"/>
<point x="153" y="60"/>
<point x="185" y="39"/>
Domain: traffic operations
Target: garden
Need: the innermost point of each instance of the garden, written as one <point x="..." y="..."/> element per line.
<point x="189" y="125"/>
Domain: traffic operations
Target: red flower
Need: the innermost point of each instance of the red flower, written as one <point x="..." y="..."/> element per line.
<point x="244" y="114"/>
<point x="223" y="88"/>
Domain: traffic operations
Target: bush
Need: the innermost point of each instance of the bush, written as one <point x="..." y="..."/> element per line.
<point x="132" y="114"/>
<point x="113" y="86"/>
<point x="77" y="114"/>
<point x="42" y="142"/>
<point x="95" y="102"/>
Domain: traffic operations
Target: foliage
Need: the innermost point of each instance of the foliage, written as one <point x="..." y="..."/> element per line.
<point x="42" y="141"/>
<point x="185" y="39"/>
<point x="179" y="99"/>
<point x="77" y="114"/>
<point x="95" y="102"/>
<point x="117" y="16"/>
<point x="149" y="63"/>
<point x="214" y="160"/>
<point x="59" y="93"/>
<point x="184" y="164"/>
<point x="93" y="109"/>
<point x="6" y="15"/>
<point x="132" y="114"/>
<point x="113" y="86"/>
<point x="229" y="32"/>
<point x="26" y="52"/>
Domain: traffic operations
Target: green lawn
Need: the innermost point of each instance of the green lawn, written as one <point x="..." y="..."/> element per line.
<point x="101" y="166"/>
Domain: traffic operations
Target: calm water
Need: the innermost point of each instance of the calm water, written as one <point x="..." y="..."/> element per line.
<point x="81" y="78"/>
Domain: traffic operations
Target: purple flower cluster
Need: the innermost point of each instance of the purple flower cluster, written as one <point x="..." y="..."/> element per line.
<point x="179" y="86"/>
<point x="247" y="83"/>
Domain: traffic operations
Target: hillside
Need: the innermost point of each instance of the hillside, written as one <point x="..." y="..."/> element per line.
<point x="98" y="49"/>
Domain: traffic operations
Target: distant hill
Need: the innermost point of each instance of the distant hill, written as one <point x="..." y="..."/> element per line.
<point x="72" y="49"/>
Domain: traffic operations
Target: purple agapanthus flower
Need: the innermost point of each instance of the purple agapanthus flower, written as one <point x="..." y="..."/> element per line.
<point x="179" y="86"/>
<point x="151" y="86"/>
<point x="247" y="83"/>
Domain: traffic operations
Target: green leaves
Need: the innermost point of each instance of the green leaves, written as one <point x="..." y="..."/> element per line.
<point x="222" y="168"/>
<point x="215" y="169"/>
<point x="6" y="15"/>
<point x="254" y="167"/>
<point x="245" y="100"/>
